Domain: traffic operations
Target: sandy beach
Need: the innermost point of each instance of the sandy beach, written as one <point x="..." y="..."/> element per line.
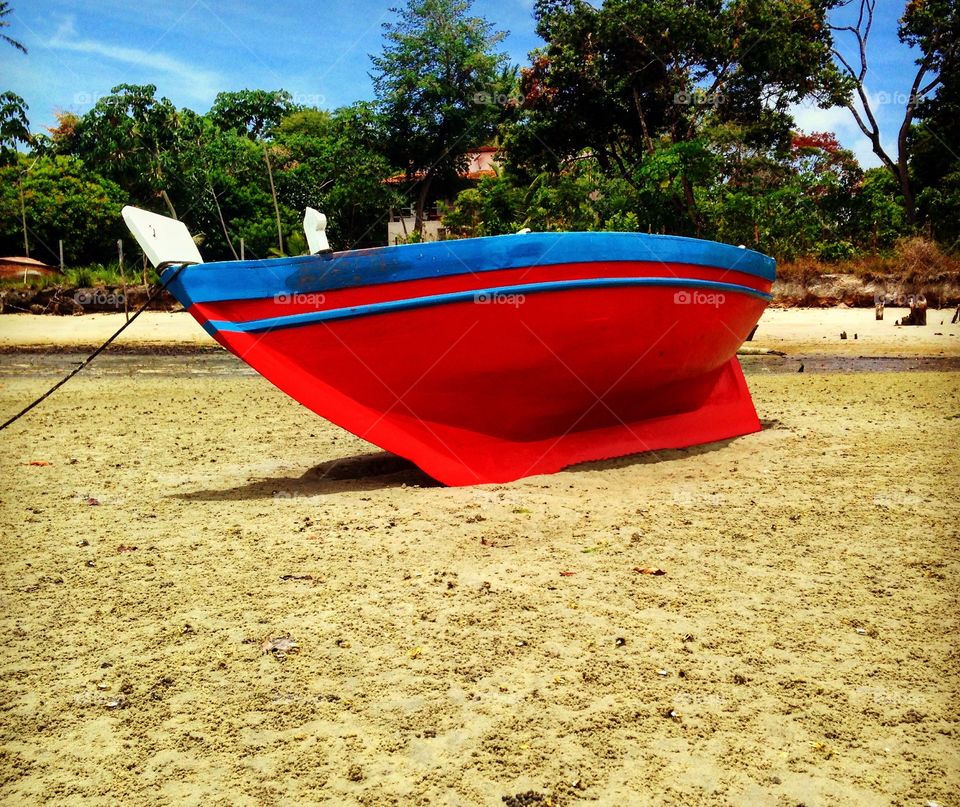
<point x="166" y="522"/>
<point x="798" y="330"/>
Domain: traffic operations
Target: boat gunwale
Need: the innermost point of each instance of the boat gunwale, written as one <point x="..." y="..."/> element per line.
<point x="249" y="280"/>
<point x="449" y="298"/>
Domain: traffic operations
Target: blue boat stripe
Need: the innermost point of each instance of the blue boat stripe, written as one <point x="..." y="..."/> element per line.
<point x="252" y="280"/>
<point x="476" y="295"/>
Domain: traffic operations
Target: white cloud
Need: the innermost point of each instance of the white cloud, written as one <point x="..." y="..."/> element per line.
<point x="196" y="81"/>
<point x="887" y="108"/>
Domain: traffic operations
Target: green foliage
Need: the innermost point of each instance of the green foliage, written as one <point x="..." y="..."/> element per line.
<point x="492" y="208"/>
<point x="338" y="167"/>
<point x="810" y="199"/>
<point x="878" y="216"/>
<point x="133" y="138"/>
<point x="636" y="115"/>
<point x="251" y="112"/>
<point x="643" y="78"/>
<point x="4" y="11"/>
<point x="14" y="126"/>
<point x="934" y="27"/>
<point x="438" y="84"/>
<point x="63" y="200"/>
<point x="306" y="122"/>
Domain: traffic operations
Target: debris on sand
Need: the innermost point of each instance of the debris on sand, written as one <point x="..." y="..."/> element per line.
<point x="528" y="799"/>
<point x="280" y="646"/>
<point x="648" y="570"/>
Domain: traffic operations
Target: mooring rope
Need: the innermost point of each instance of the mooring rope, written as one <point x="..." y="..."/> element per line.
<point x="153" y="296"/>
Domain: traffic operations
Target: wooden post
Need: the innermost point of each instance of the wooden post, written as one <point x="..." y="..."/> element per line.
<point x="61" y="255"/>
<point x="23" y="219"/>
<point x="123" y="280"/>
<point x="273" y="193"/>
<point x="918" y="311"/>
<point x="878" y="310"/>
<point x="243" y="250"/>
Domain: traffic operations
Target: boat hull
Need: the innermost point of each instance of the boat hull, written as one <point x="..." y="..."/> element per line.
<point x="492" y="375"/>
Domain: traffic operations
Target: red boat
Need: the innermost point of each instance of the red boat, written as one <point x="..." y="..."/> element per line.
<point x="490" y="359"/>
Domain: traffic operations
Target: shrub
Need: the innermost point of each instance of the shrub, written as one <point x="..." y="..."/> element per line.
<point x="920" y="260"/>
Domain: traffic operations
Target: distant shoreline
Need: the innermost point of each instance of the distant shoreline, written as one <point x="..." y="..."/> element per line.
<point x="795" y="331"/>
<point x="790" y="290"/>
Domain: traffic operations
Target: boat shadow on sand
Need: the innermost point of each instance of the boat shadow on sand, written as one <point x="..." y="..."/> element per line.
<point x="381" y="470"/>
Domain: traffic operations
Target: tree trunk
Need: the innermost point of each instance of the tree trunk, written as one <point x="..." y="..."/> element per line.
<point x="691" y="204"/>
<point x="23" y="219"/>
<point x="169" y="204"/>
<point x="223" y="224"/>
<point x="273" y="193"/>
<point x="645" y="132"/>
<point x="909" y="202"/>
<point x="422" y="203"/>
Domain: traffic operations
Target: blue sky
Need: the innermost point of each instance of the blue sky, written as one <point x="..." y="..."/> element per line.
<point x="317" y="50"/>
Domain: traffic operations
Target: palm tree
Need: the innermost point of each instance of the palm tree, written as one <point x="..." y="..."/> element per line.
<point x="4" y="11"/>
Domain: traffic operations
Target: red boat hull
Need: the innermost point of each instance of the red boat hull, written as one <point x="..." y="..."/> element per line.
<point x="491" y="359"/>
<point x="491" y="391"/>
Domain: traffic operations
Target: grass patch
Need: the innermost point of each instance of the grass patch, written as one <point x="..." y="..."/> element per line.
<point x="94" y="275"/>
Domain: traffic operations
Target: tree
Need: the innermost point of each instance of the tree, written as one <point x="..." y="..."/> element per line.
<point x="437" y="83"/>
<point x="4" y="11"/>
<point x="62" y="200"/>
<point x="334" y="162"/>
<point x="934" y="157"/>
<point x="219" y="177"/>
<point x="14" y="129"/>
<point x="933" y="28"/>
<point x="131" y="136"/>
<point x="493" y="207"/>
<point x="14" y="126"/>
<point x="637" y="75"/>
<point x="255" y="113"/>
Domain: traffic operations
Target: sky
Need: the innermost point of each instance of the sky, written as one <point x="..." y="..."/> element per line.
<point x="318" y="50"/>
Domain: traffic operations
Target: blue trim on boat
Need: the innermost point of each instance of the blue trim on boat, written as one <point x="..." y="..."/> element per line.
<point x="392" y="306"/>
<point x="251" y="280"/>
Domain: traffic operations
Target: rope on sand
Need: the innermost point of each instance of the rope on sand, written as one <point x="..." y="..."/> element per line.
<point x="153" y="296"/>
